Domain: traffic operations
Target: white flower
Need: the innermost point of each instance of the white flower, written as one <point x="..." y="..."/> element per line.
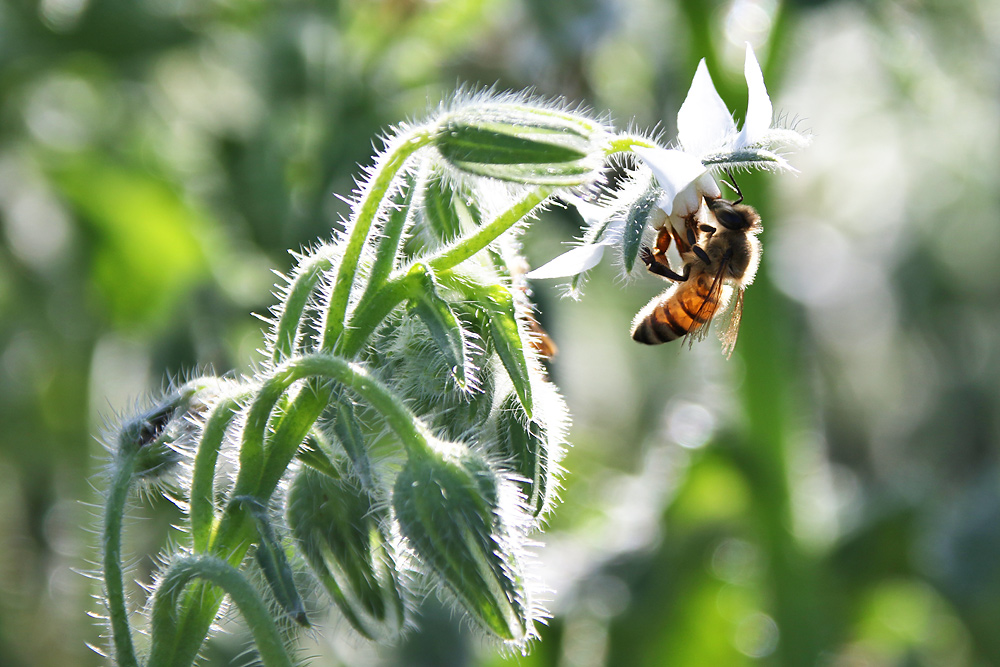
<point x="709" y="140"/>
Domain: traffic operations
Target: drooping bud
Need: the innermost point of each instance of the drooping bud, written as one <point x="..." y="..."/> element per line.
<point x="522" y="143"/>
<point x="448" y="508"/>
<point x="151" y="433"/>
<point x="343" y="536"/>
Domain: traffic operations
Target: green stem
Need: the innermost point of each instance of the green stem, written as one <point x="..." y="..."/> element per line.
<point x="318" y="365"/>
<point x="307" y="275"/>
<point x="373" y="309"/>
<point x="391" y="237"/>
<point x="218" y="572"/>
<point x="114" y="512"/>
<point x="624" y="143"/>
<point x="376" y="306"/>
<point x="372" y="200"/>
<point x="292" y="429"/>
<point x="464" y="248"/>
<point x="203" y="478"/>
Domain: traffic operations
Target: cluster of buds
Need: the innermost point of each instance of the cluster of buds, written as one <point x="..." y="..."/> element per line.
<point x="402" y="429"/>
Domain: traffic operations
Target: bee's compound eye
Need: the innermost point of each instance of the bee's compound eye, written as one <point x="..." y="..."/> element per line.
<point x="730" y="218"/>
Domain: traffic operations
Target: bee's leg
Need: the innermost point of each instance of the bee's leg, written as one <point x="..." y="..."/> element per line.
<point x="663" y="237"/>
<point x="660" y="266"/>
<point x="707" y="229"/>
<point x="691" y="237"/>
<point x="659" y="252"/>
<point x="702" y="255"/>
<point x="684" y="240"/>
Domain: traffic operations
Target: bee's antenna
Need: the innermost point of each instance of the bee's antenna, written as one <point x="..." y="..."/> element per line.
<point x="734" y="186"/>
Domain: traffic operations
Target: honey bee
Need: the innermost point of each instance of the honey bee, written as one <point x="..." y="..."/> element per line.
<point x="720" y="260"/>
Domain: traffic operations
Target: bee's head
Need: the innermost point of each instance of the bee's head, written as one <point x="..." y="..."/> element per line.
<point x="736" y="217"/>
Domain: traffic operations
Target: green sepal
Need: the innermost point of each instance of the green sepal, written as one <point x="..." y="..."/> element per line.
<point x="392" y="233"/>
<point x="497" y="304"/>
<point x="524" y="445"/>
<point x="314" y="452"/>
<point x="445" y="327"/>
<point x="439" y="210"/>
<point x="635" y="223"/>
<point x="273" y="562"/>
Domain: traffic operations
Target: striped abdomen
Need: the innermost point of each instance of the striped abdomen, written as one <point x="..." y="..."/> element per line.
<point x="680" y="311"/>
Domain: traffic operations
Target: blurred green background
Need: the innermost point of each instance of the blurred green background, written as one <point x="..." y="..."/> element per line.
<point x="830" y="496"/>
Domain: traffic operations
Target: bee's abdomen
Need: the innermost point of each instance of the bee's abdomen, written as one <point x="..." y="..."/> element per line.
<point x="676" y="314"/>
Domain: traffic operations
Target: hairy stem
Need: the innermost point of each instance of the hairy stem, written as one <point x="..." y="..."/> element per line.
<point x="307" y="277"/>
<point x="466" y="247"/>
<point x="221" y="574"/>
<point x="371" y="201"/>
<point x="114" y="512"/>
<point x="623" y="143"/>
<point x="202" y="511"/>
<point x="374" y="308"/>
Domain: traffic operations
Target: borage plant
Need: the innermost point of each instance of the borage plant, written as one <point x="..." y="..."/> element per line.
<point x="401" y="429"/>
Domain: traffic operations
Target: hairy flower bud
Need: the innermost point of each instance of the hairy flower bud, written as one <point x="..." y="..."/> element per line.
<point x="448" y="508"/>
<point x="342" y="534"/>
<point x="522" y="143"/>
<point x="151" y="433"/>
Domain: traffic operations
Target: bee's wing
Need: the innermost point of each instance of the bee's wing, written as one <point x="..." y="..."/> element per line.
<point x="540" y="340"/>
<point x="728" y="333"/>
<point x="707" y="311"/>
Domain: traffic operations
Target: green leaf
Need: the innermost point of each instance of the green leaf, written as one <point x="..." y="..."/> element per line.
<point x="274" y="563"/>
<point x="444" y="325"/>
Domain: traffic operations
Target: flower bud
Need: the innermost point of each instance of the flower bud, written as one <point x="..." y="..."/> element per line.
<point x="522" y="143"/>
<point x="448" y="508"/>
<point x="343" y="537"/>
<point x="153" y="434"/>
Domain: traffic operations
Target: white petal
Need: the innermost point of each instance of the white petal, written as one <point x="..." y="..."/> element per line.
<point x="758" y="118"/>
<point x="674" y="170"/>
<point x="707" y="187"/>
<point x="687" y="203"/>
<point x="592" y="214"/>
<point x="579" y="259"/>
<point x="703" y="122"/>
